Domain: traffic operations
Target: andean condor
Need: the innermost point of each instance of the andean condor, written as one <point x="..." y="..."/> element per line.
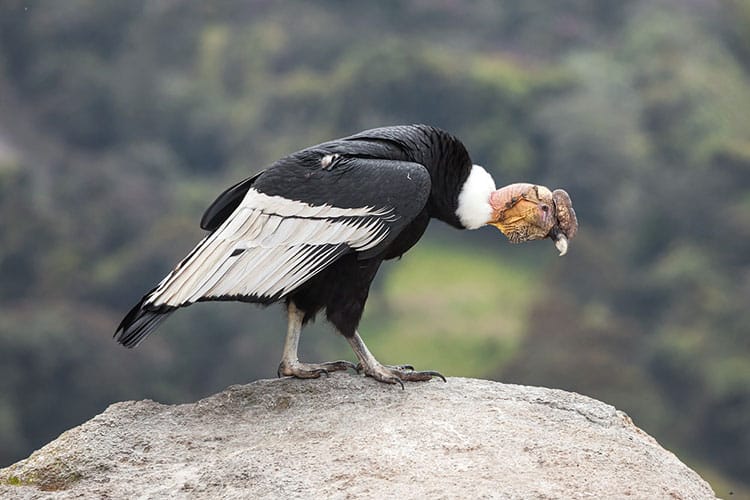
<point x="313" y="228"/>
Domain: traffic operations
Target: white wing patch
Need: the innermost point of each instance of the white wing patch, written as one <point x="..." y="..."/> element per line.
<point x="268" y="247"/>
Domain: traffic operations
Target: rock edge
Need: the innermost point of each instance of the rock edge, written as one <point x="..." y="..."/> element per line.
<point x="350" y="437"/>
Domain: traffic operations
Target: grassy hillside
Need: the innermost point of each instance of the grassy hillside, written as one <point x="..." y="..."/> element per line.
<point x="456" y="309"/>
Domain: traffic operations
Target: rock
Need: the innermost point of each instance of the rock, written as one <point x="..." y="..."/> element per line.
<point x="351" y="437"/>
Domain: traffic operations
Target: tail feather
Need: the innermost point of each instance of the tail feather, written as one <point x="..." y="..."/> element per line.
<point x="140" y="322"/>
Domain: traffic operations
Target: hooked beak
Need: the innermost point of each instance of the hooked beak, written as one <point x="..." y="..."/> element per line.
<point x="561" y="241"/>
<point x="566" y="225"/>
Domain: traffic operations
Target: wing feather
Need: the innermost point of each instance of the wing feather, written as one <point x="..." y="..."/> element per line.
<point x="267" y="248"/>
<point x="263" y="244"/>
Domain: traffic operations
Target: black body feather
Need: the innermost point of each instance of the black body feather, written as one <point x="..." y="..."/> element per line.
<point x="415" y="172"/>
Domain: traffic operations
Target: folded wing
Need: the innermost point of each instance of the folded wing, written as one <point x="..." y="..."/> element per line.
<point x="273" y="232"/>
<point x="268" y="247"/>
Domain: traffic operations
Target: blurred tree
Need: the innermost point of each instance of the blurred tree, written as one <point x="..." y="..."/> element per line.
<point x="652" y="144"/>
<point x="127" y="118"/>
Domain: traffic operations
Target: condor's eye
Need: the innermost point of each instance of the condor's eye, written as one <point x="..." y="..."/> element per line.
<point x="545" y="208"/>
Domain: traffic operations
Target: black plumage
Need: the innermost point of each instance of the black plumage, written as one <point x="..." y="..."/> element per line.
<point x="388" y="168"/>
<point x="312" y="229"/>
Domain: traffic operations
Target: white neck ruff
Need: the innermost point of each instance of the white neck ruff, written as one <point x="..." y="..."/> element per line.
<point x="474" y="209"/>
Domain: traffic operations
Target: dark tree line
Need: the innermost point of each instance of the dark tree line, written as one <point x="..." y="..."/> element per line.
<point x="122" y="120"/>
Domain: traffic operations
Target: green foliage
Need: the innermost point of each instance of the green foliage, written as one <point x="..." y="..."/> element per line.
<point x="121" y="121"/>
<point x="441" y="299"/>
<point x="663" y="115"/>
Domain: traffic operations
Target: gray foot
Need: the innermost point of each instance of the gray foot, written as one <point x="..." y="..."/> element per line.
<point x="312" y="370"/>
<point x="397" y="374"/>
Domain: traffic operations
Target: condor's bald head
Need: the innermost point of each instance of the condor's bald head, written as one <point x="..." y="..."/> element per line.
<point x="525" y="212"/>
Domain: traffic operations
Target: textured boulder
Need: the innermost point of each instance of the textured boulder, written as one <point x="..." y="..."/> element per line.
<point x="351" y="437"/>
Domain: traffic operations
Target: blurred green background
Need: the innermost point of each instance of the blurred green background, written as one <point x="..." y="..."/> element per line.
<point x="121" y="121"/>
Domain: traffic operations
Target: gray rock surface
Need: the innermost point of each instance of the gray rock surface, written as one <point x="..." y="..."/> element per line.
<point x="350" y="437"/>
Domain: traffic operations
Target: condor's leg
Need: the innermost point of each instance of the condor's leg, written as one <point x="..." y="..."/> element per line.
<point x="383" y="373"/>
<point x="344" y="308"/>
<point x="290" y="365"/>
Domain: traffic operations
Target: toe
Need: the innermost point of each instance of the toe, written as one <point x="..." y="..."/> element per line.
<point x="401" y="368"/>
<point x="421" y="376"/>
<point x="300" y="370"/>
<point x="335" y="366"/>
<point x="390" y="379"/>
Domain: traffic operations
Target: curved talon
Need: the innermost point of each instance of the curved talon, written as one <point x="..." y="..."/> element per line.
<point x="351" y="365"/>
<point x="435" y="374"/>
<point x="388" y="376"/>
<point x="394" y="381"/>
